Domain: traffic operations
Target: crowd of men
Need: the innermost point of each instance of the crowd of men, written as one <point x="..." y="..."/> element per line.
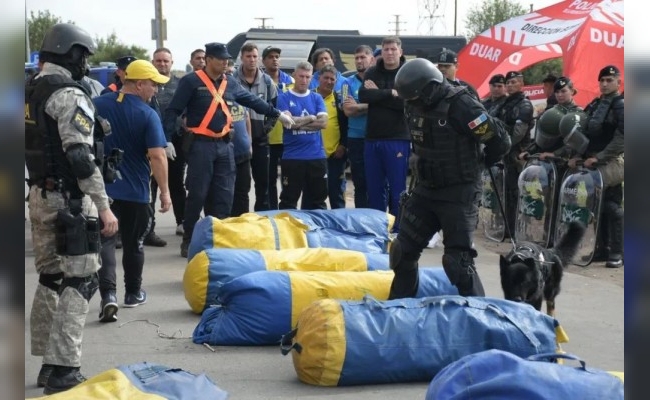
<point x="201" y="141"/>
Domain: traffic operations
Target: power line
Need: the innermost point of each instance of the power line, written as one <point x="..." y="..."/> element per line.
<point x="397" y="23"/>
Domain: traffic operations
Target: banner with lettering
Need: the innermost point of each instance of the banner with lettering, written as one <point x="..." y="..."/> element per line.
<point x="588" y="35"/>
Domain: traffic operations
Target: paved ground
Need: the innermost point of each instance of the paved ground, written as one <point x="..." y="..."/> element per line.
<point x="590" y="309"/>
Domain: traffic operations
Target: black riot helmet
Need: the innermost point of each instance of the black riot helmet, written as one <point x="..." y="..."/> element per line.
<point x="414" y="76"/>
<point x="69" y="46"/>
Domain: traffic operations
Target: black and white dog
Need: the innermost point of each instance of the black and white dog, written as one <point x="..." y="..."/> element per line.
<point x="531" y="273"/>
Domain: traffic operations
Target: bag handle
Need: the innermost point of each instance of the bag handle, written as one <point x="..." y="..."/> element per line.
<point x="286" y="343"/>
<point x="556" y="356"/>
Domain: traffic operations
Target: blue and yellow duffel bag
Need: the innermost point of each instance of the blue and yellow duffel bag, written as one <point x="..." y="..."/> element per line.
<point x="340" y="343"/>
<point x="143" y="381"/>
<point x="210" y="269"/>
<point x="357" y="229"/>
<point x="500" y="375"/>
<point x="258" y="308"/>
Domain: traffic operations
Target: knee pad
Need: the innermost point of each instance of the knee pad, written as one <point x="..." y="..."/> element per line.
<point x="459" y="268"/>
<point x="86" y="285"/>
<point x="51" y="281"/>
<point x="401" y="261"/>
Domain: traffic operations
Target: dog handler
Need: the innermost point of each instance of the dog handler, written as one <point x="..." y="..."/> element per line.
<point x="448" y="126"/>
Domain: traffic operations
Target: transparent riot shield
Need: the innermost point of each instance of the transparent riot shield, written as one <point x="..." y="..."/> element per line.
<point x="536" y="202"/>
<point x="580" y="200"/>
<point x="489" y="212"/>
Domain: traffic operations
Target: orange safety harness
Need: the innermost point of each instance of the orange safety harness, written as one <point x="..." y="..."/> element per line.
<point x="218" y="100"/>
<point x="112" y="87"/>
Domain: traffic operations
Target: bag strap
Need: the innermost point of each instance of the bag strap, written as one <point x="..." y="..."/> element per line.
<point x="287" y="344"/>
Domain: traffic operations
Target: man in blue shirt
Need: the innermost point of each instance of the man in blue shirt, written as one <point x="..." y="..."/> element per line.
<point x="304" y="164"/>
<point x="136" y="129"/>
<point x="357" y="114"/>
<point x="203" y="95"/>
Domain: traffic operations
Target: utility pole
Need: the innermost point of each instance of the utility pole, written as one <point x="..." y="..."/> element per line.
<point x="455" y="15"/>
<point x="263" y="19"/>
<point x="531" y="7"/>
<point x="159" y="25"/>
<point x="397" y="23"/>
<point x="27" y="49"/>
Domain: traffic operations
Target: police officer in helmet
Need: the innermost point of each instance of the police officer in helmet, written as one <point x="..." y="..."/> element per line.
<point x="67" y="192"/>
<point x="448" y="128"/>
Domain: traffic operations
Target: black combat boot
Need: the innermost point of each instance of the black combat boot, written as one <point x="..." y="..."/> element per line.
<point x="44" y="374"/>
<point x="63" y="378"/>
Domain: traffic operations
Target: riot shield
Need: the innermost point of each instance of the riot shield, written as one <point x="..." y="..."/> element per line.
<point x="536" y="202"/>
<point x="580" y="200"/>
<point x="489" y="212"/>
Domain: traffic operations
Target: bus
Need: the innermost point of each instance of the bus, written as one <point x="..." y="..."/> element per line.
<point x="299" y="45"/>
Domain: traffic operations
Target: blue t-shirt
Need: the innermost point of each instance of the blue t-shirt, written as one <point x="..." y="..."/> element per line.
<point x="301" y="144"/>
<point x="356" y="125"/>
<point x="135" y="128"/>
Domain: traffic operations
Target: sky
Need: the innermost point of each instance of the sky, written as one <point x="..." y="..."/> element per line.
<point x="192" y="23"/>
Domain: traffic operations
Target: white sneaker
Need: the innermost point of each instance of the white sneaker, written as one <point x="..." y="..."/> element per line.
<point x="179" y="230"/>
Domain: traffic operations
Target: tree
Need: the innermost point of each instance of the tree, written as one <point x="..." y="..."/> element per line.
<point x="492" y="12"/>
<point x="39" y="24"/>
<point x="111" y="48"/>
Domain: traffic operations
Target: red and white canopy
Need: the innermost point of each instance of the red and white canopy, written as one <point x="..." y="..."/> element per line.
<point x="588" y="35"/>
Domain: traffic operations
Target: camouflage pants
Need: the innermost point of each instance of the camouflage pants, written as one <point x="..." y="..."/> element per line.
<point x="56" y="322"/>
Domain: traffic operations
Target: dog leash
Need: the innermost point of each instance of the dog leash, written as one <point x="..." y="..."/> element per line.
<point x="503" y="214"/>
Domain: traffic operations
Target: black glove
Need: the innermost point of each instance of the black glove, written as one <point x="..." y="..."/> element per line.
<point x="495" y="148"/>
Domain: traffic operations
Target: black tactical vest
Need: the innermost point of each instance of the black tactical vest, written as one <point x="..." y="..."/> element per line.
<point x="447" y="157"/>
<point x="44" y="153"/>
<point x="601" y="124"/>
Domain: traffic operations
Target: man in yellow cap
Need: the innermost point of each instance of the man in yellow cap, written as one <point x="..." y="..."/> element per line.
<point x="137" y="129"/>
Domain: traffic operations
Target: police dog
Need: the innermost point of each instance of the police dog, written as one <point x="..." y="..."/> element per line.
<point x="531" y="273"/>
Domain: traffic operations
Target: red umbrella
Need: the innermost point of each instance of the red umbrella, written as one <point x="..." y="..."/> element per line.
<point x="587" y="35"/>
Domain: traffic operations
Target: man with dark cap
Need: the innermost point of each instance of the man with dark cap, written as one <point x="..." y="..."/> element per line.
<point x="121" y="64"/>
<point x="498" y="94"/>
<point x="517" y="113"/>
<point x="447" y="63"/>
<point x="202" y="95"/>
<point x="549" y="90"/>
<point x="604" y="129"/>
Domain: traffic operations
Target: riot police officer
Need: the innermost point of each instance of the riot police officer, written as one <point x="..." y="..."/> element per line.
<point x="497" y="95"/>
<point x="448" y="126"/>
<point x="601" y="143"/>
<point x="66" y="193"/>
<point x="517" y="114"/>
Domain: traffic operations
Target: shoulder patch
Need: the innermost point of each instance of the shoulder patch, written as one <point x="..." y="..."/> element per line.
<point x="82" y="122"/>
<point x="478" y="121"/>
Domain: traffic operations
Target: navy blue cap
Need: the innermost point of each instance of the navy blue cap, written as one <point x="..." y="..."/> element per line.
<point x="446" y="57"/>
<point x="376" y="53"/>
<point x="124" y="62"/>
<point x="217" y="50"/>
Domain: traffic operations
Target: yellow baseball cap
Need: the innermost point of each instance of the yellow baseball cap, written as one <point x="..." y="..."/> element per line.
<point x="142" y="69"/>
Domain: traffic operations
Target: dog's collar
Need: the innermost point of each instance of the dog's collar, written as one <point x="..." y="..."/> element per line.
<point x="523" y="251"/>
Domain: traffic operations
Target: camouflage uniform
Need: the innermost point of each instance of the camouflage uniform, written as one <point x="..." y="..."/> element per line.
<point x="57" y="321"/>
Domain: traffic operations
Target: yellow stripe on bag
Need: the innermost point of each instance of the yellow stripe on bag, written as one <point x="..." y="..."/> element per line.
<point x="195" y="281"/>
<point x="108" y="385"/>
<point x="252" y="231"/>
<point x="307" y="287"/>
<point x="619" y="375"/>
<point x="321" y="365"/>
<point x="317" y="259"/>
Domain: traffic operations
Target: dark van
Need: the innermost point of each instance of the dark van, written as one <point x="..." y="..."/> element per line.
<point x="298" y="45"/>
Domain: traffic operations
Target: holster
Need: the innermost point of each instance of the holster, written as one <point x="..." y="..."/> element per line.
<point x="76" y="234"/>
<point x="188" y="139"/>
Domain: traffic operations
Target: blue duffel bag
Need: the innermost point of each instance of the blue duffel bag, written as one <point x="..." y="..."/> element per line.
<point x="499" y="375"/>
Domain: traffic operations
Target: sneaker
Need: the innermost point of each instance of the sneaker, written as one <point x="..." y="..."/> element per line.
<point x="44" y="374"/>
<point x="180" y="231"/>
<point x="133" y="300"/>
<point x="615" y="261"/>
<point x="118" y="240"/>
<point x="184" y="248"/>
<point x="154" y="240"/>
<point x="63" y="378"/>
<point x="108" y="311"/>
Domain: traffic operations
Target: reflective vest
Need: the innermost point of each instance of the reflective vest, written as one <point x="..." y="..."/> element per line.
<point x="217" y="102"/>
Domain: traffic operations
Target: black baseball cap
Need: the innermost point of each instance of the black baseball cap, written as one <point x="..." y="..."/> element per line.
<point x="271" y="49"/>
<point x="447" y="57"/>
<point x="498" y="78"/>
<point x="217" y="50"/>
<point x="124" y="62"/>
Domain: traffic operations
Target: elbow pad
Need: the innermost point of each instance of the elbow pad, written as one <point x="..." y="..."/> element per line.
<point x="81" y="159"/>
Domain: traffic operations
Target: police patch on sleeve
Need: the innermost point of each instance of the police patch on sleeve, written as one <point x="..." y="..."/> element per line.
<point x="478" y="121"/>
<point x="82" y="122"/>
<point x="481" y="127"/>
